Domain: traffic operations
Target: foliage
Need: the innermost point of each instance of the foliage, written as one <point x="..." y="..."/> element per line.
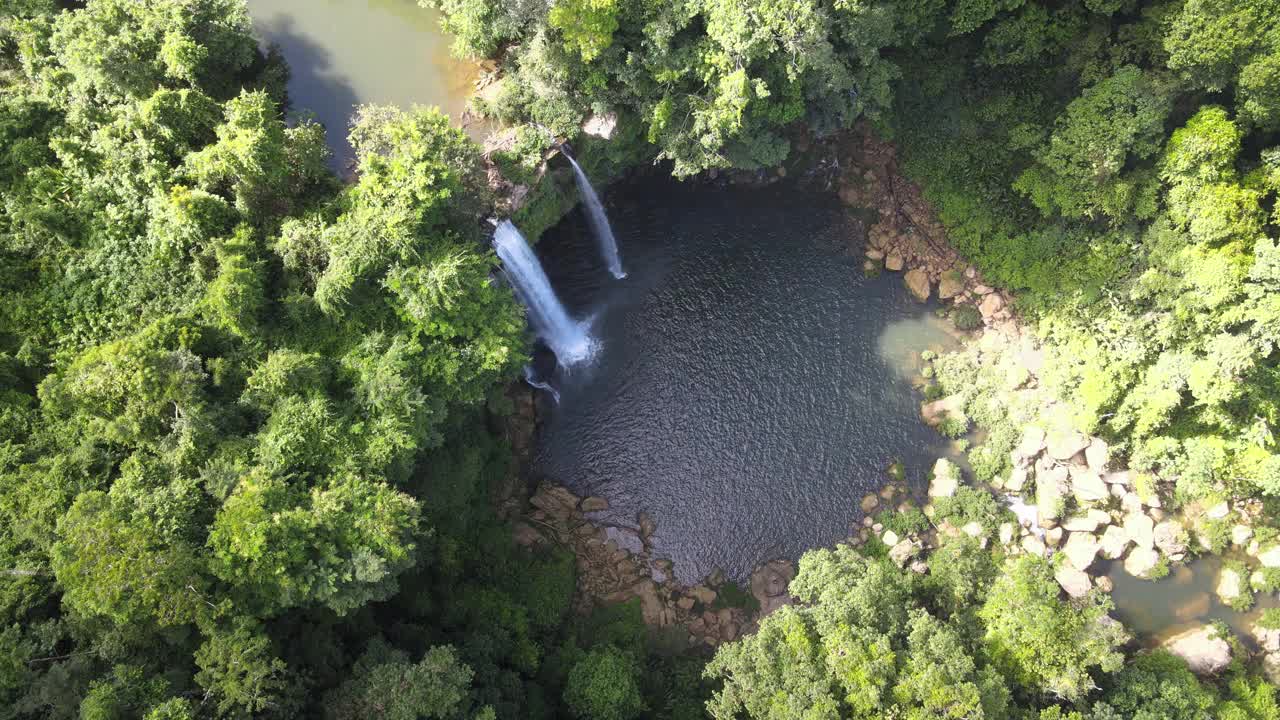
<point x="603" y="684"/>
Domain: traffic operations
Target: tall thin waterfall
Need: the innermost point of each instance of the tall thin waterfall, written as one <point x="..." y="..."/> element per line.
<point x="568" y="339"/>
<point x="599" y="220"/>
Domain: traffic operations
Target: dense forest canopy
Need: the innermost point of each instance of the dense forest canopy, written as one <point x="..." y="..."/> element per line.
<point x="245" y="466"/>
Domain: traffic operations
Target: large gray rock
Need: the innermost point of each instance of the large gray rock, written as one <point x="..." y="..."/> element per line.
<point x="1097" y="454"/>
<point x="1081" y="549"/>
<point x="1089" y="522"/>
<point x="1032" y="442"/>
<point x="1051" y="490"/>
<point x="1114" y="542"/>
<point x="1170" y="537"/>
<point x="1074" y="581"/>
<point x="990" y="306"/>
<point x="1063" y="446"/>
<point x="1270" y="557"/>
<point x="1202" y="649"/>
<point x="946" y="479"/>
<point x="1230" y="585"/>
<point x="904" y="551"/>
<point x="1141" y="562"/>
<point x="555" y="500"/>
<point x="935" y="412"/>
<point x="1268" y="638"/>
<point x="1088" y="486"/>
<point x="1141" y="529"/>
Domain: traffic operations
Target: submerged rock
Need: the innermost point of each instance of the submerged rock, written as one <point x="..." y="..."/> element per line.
<point x="1230" y="585"/>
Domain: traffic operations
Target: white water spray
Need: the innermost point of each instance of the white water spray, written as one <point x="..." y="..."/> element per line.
<point x="599" y="220"/>
<point x="1028" y="515"/>
<point x="534" y="382"/>
<point x="568" y="339"/>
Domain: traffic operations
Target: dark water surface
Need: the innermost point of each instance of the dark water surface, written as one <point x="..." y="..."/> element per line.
<point x="750" y="385"/>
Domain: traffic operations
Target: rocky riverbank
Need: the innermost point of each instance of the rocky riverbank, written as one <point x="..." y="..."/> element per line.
<point x="1077" y="506"/>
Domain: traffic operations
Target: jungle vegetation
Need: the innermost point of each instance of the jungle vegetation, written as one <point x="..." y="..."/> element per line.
<point x="247" y="448"/>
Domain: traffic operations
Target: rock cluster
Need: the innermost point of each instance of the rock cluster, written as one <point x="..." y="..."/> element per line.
<point x="906" y="236"/>
<point x="616" y="564"/>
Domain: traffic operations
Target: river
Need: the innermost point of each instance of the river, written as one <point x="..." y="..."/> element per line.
<point x="344" y="53"/>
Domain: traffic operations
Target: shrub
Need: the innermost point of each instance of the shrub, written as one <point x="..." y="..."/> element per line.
<point x="966" y="317"/>
<point x="604" y="685"/>
<point x="954" y="426"/>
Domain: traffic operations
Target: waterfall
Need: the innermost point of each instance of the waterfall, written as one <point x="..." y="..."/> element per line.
<point x="532" y="379"/>
<point x="599" y="220"/>
<point x="566" y="338"/>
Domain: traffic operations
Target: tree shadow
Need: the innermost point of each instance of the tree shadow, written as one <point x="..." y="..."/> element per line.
<point x="316" y="85"/>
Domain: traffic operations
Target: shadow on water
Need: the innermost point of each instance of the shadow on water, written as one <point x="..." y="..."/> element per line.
<point x="316" y="87"/>
<point x="740" y="395"/>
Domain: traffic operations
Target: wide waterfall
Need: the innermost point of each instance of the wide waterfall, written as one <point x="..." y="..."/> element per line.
<point x="567" y="338"/>
<point x="599" y="221"/>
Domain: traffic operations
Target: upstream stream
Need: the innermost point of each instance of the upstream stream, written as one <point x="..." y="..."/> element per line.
<point x="344" y="53"/>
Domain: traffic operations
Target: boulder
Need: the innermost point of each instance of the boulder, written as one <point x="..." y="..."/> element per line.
<point x="1141" y="562"/>
<point x="594" y="504"/>
<point x="1033" y="546"/>
<point x="1074" y="581"/>
<point x="601" y="126"/>
<point x="1017" y="479"/>
<point x="1081" y="549"/>
<point x="1051" y="489"/>
<point x="1114" y="542"/>
<point x="769" y="585"/>
<point x="555" y="500"/>
<point x="1053" y="536"/>
<point x="893" y="261"/>
<point x="1270" y="557"/>
<point x="652" y="609"/>
<point x="1089" y="522"/>
<point x="1268" y="638"/>
<point x="917" y="281"/>
<point x="946" y="479"/>
<point x="1271" y="667"/>
<point x="1007" y="531"/>
<point x="1230" y="585"/>
<point x="950" y="285"/>
<point x="685" y="603"/>
<point x="1241" y="534"/>
<point x="973" y="529"/>
<point x="1032" y="442"/>
<point x="647" y="526"/>
<point x="1063" y="446"/>
<point x="1097" y="455"/>
<point x="1131" y="504"/>
<point x="890" y="538"/>
<point x="1204" y="651"/>
<point x="935" y="412"/>
<point x="1122" y="478"/>
<point x="1170" y="537"/>
<point x="1219" y="511"/>
<point x="1140" y="529"/>
<point x="870" y="502"/>
<point x="703" y="594"/>
<point x="1104" y="583"/>
<point x="990" y="305"/>
<point x="902" y="552"/>
<point x="1087" y="485"/>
